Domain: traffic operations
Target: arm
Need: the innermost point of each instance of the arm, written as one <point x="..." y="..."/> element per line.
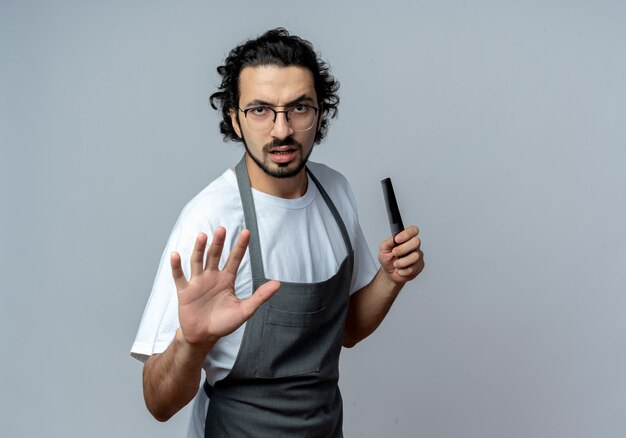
<point x="401" y="260"/>
<point x="171" y="379"/>
<point x="208" y="309"/>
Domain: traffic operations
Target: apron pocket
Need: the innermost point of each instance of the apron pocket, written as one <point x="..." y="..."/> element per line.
<point x="294" y="319"/>
<point x="289" y="343"/>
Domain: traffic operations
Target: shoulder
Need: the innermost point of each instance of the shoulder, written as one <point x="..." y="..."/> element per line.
<point x="337" y="186"/>
<point x="326" y="173"/>
<point x="332" y="180"/>
<point x="214" y="205"/>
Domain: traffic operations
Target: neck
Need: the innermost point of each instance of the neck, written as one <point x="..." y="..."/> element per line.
<point x="288" y="188"/>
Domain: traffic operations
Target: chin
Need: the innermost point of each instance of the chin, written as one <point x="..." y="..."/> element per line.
<point x="284" y="170"/>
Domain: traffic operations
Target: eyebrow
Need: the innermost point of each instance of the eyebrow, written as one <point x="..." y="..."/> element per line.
<point x="259" y="102"/>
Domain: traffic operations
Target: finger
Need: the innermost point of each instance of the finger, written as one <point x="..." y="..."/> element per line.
<point x="261" y="295"/>
<point x="197" y="255"/>
<point x="403" y="236"/>
<point x="407" y="247"/>
<point x="216" y="247"/>
<point x="412" y="271"/>
<point x="406" y="234"/>
<point x="177" y="271"/>
<point x="237" y="253"/>
<point x="408" y="260"/>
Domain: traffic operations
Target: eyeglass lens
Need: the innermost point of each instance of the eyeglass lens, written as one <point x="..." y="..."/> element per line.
<point x="299" y="117"/>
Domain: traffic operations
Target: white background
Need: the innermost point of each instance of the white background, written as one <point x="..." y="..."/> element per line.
<point x="502" y="125"/>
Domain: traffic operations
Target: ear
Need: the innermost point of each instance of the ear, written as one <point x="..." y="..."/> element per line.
<point x="235" y="121"/>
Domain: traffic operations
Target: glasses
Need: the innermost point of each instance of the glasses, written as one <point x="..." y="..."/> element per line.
<point x="301" y="117"/>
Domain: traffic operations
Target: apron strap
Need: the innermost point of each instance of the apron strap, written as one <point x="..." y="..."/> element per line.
<point x="249" y="213"/>
<point x="333" y="210"/>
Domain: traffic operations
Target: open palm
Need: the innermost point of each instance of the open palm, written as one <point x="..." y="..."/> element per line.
<point x="208" y="308"/>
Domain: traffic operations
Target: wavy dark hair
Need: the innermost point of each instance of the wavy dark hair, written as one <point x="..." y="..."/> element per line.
<point x="274" y="47"/>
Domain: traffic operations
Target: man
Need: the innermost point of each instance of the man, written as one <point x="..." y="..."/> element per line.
<point x="270" y="356"/>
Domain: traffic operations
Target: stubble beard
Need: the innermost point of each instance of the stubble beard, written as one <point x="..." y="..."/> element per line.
<point x="283" y="170"/>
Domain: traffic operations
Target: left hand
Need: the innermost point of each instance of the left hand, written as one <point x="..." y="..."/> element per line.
<point x="401" y="257"/>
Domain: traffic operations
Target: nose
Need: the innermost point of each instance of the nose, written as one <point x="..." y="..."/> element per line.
<point x="282" y="128"/>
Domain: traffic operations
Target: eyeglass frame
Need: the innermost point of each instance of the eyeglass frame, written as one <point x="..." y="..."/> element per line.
<point x="286" y="112"/>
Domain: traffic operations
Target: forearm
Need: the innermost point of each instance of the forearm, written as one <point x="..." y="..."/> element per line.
<point x="368" y="307"/>
<point x="171" y="379"/>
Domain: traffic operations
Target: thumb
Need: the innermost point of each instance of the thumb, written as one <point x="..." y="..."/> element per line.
<point x="388" y="244"/>
<point x="261" y="295"/>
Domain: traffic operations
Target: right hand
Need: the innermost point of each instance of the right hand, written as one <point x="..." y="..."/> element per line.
<point x="208" y="308"/>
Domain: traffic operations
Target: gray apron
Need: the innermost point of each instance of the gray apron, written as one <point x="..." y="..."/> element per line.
<point x="284" y="380"/>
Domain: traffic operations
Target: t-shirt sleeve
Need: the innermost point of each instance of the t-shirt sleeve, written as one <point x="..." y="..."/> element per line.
<point x="160" y="318"/>
<point x="365" y="267"/>
<point x="216" y="205"/>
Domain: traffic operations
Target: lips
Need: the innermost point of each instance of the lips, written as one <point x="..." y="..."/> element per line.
<point x="282" y="154"/>
<point x="282" y="149"/>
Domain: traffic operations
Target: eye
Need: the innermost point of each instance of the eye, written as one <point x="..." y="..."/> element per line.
<point x="259" y="111"/>
<point x="300" y="108"/>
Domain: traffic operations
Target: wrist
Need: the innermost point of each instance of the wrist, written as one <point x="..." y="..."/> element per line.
<point x="388" y="283"/>
<point x="196" y="349"/>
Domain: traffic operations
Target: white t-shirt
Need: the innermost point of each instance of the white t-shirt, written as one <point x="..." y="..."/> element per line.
<point x="300" y="242"/>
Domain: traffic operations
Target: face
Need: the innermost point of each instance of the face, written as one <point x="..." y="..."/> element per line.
<point x="279" y="152"/>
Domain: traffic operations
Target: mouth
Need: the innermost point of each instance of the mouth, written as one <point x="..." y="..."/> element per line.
<point x="282" y="149"/>
<point x="282" y="154"/>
